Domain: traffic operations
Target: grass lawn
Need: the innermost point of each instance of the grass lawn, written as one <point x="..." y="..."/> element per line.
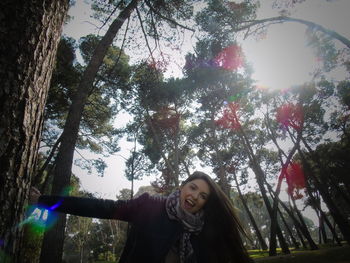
<point x="323" y="255"/>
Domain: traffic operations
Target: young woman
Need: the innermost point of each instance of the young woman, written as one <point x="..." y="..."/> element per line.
<point x="195" y="224"/>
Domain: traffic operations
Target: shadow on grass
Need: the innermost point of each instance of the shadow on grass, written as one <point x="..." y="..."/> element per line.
<point x="323" y="255"/>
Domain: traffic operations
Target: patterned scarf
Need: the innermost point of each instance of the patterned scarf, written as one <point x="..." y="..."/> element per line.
<point x="192" y="223"/>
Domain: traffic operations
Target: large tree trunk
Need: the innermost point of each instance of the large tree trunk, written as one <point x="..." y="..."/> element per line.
<point x="30" y="31"/>
<point x="53" y="240"/>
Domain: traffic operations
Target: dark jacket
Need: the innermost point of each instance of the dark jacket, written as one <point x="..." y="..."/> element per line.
<point x="152" y="233"/>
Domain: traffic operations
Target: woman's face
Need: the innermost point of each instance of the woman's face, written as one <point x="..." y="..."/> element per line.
<point x="194" y="195"/>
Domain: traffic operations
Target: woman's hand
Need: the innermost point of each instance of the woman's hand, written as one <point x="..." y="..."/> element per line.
<point x="34" y="195"/>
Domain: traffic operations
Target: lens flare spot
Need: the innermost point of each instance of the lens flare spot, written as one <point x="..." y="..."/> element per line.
<point x="229" y="118"/>
<point x="295" y="178"/>
<point x="45" y="215"/>
<point x="39" y="219"/>
<point x="36" y="214"/>
<point x="230" y="58"/>
<point x="290" y="115"/>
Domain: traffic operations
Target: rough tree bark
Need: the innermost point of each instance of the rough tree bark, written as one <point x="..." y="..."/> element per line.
<point x="30" y="31"/>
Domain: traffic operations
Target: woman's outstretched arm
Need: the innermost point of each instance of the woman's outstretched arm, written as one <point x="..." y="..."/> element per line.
<point x="90" y="207"/>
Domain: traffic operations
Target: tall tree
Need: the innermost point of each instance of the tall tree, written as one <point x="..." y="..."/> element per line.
<point x="54" y="237"/>
<point x="250" y="215"/>
<point x="29" y="38"/>
<point x="160" y="110"/>
<point x="97" y="133"/>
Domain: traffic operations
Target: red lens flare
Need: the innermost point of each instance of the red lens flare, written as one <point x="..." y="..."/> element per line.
<point x="290" y="115"/>
<point x="230" y="58"/>
<point x="229" y="119"/>
<point x="294" y="175"/>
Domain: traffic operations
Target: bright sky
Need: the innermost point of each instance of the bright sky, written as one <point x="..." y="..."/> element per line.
<point x="280" y="59"/>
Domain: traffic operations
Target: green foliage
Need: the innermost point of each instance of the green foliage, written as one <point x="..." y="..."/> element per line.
<point x="148" y="82"/>
<point x="97" y="132"/>
<point x="97" y="165"/>
<point x="212" y="88"/>
<point x="102" y="103"/>
<point x="65" y="79"/>
<point x="324" y="48"/>
<point x="344" y="92"/>
<point x="106" y="257"/>
<point x="221" y="18"/>
<point x="334" y="156"/>
<point x="160" y="110"/>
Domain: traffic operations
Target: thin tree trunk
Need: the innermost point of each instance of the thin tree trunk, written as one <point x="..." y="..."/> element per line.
<point x="156" y="139"/>
<point x="319" y="209"/>
<point x="301" y="237"/>
<point x="323" y="233"/>
<point x="30" y="32"/>
<point x="177" y="153"/>
<point x="53" y="239"/>
<point x="275" y="200"/>
<point x="298" y="225"/>
<point x="221" y="171"/>
<point x="312" y="244"/>
<point x="39" y="174"/>
<point x="251" y="217"/>
<point x="260" y="177"/>
<point x="296" y="245"/>
<point x="331" y="228"/>
<point x="81" y="254"/>
<point x="284" y="165"/>
<point x="338" y="217"/>
<point x="44" y="189"/>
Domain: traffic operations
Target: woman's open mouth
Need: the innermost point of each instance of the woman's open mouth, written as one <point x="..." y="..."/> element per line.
<point x="188" y="204"/>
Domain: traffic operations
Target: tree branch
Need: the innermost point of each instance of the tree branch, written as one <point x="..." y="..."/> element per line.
<point x="109" y="17"/>
<point x="282" y="19"/>
<point x="166" y="18"/>
<point x="145" y="35"/>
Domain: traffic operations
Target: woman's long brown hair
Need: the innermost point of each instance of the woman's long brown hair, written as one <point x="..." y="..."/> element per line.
<point x="221" y="231"/>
